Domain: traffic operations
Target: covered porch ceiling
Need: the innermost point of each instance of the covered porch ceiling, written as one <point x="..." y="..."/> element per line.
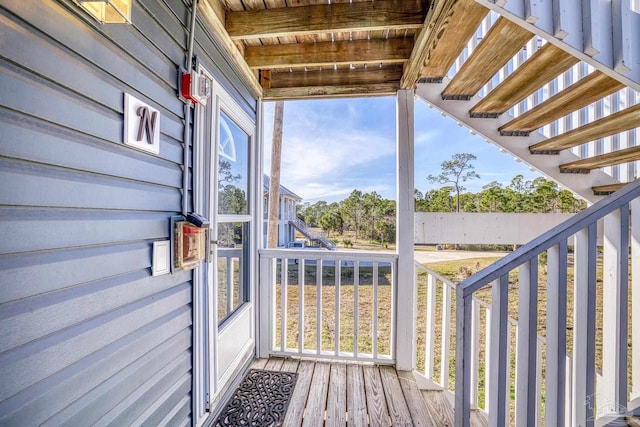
<point x="318" y="48"/>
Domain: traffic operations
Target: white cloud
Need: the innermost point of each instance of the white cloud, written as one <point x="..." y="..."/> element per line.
<point x="323" y="144"/>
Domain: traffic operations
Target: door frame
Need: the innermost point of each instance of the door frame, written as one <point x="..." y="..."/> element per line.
<point x="209" y="382"/>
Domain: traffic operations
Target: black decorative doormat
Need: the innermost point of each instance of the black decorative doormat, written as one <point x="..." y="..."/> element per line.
<point x="261" y="400"/>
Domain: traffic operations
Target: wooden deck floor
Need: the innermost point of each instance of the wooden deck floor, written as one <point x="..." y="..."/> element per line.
<point x="357" y="394"/>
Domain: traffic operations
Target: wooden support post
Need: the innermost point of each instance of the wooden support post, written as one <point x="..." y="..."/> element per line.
<point x="274" y="180"/>
<point x="407" y="292"/>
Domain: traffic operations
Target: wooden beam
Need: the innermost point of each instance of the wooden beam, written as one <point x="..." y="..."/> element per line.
<point x="339" y="77"/>
<point x="609" y="159"/>
<point x="447" y="35"/>
<point x="213" y="16"/>
<point x="585" y="91"/>
<point x="502" y="42"/>
<point x="378" y="51"/>
<point x="381" y="89"/>
<point x="543" y="66"/>
<point x="325" y="18"/>
<point x="610" y="125"/>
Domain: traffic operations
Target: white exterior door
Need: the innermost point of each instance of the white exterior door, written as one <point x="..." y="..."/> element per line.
<point x="225" y="164"/>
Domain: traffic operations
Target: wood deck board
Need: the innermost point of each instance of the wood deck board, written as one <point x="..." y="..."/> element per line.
<point x="274" y="364"/>
<point x="342" y="393"/>
<point x="439" y="407"/>
<point x="356" y="401"/>
<point x="479" y="419"/>
<point x="417" y="407"/>
<point x="259" y="363"/>
<point x="317" y="400"/>
<point x="376" y="404"/>
<point x="337" y="398"/>
<point x="290" y="365"/>
<point x="396" y="403"/>
<point x="300" y="393"/>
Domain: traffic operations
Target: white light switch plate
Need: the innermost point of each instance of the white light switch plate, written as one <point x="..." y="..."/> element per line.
<point x="161" y="257"/>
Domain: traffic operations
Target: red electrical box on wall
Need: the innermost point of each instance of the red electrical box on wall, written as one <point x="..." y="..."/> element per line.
<point x="196" y="87"/>
<point x="190" y="244"/>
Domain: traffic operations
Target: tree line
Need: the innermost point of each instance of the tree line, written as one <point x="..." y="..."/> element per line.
<point x="369" y="216"/>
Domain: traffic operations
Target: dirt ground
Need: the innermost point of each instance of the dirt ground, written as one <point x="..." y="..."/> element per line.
<point x="437" y="256"/>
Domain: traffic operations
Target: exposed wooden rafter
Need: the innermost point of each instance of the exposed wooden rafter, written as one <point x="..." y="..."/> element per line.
<point x="341" y="82"/>
<point x="585" y="91"/>
<point x="327" y="18"/>
<point x="284" y="56"/>
<point x="614" y="123"/>
<point x="502" y="42"/>
<point x="442" y="39"/>
<point x="543" y="66"/>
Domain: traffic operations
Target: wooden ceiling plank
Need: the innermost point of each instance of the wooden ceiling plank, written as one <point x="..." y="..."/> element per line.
<point x="382" y="89"/>
<point x="447" y="37"/>
<point x="340" y="77"/>
<point x="213" y="15"/>
<point x="327" y="54"/>
<point x="543" y="66"/>
<point x="609" y="159"/>
<point x="340" y="17"/>
<point x="585" y="91"/>
<point x="615" y="123"/>
<point x="502" y="42"/>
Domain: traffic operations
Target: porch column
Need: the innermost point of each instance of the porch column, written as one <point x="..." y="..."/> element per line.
<point x="405" y="339"/>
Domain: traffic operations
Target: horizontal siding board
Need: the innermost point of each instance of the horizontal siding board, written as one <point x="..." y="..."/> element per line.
<point x="83" y="154"/>
<point x="28" y="320"/>
<point x="32" y="138"/>
<point x="24" y="366"/>
<point x="133" y="406"/>
<point x="90" y="45"/>
<point x="46" y="229"/>
<point x="82" y="389"/>
<point x="163" y="404"/>
<point x="31" y="274"/>
<point x="179" y="413"/>
<point x="33" y="96"/>
<point x="31" y="184"/>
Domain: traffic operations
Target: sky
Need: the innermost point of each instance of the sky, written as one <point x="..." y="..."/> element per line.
<point x="334" y="146"/>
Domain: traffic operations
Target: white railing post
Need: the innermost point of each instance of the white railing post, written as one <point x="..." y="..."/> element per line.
<point x="266" y="324"/>
<point x="614" y="312"/>
<point x="556" y="334"/>
<point x="584" y="325"/>
<point x="431" y="326"/>
<point x="407" y="290"/>
<point x="446" y="336"/>
<point x="463" y="356"/>
<point x="498" y="361"/>
<point x="527" y="343"/>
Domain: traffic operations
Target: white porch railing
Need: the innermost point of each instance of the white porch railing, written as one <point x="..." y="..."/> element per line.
<point x="554" y="382"/>
<point x="328" y="304"/>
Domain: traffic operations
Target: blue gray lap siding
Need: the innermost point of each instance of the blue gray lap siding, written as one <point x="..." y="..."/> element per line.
<point x="87" y="335"/>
